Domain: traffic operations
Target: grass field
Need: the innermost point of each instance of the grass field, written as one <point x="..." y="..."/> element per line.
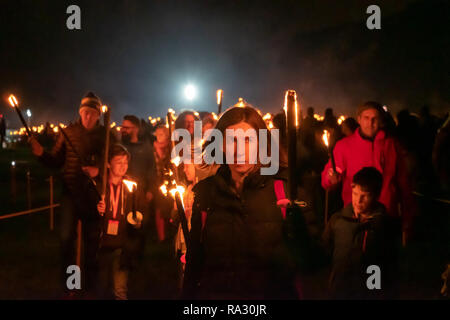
<point x="29" y="251"/>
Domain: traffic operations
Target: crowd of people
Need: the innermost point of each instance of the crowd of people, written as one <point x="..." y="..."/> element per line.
<point x="245" y="240"/>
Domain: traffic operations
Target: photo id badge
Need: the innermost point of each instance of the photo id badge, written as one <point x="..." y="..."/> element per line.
<point x="113" y="227"/>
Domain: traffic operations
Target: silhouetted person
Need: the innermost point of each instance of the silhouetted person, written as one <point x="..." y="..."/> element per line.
<point x="2" y="130"/>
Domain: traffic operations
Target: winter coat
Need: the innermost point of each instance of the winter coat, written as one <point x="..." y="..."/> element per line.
<point x="129" y="238"/>
<point x="354" y="245"/>
<point x="142" y="165"/>
<point x="238" y="245"/>
<point x="353" y="153"/>
<point x="88" y="144"/>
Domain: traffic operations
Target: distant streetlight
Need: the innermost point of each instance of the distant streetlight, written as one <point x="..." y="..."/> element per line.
<point x="29" y="117"/>
<point x="190" y="92"/>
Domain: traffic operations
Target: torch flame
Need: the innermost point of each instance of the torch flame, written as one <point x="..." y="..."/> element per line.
<point x="173" y="191"/>
<point x="179" y="189"/>
<point x="176" y="161"/>
<point x="341" y="119"/>
<point x="104" y="108"/>
<point x="241" y="102"/>
<point x="267" y="116"/>
<point x="326" y="137"/>
<point x="219" y="96"/>
<point x="13" y="101"/>
<point x="130" y="184"/>
<point x="163" y="189"/>
<point x="113" y="125"/>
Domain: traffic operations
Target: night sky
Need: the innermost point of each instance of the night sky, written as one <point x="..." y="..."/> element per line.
<point x="138" y="55"/>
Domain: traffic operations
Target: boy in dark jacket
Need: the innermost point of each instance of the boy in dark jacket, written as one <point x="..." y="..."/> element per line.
<point x="121" y="237"/>
<point x="357" y="237"/>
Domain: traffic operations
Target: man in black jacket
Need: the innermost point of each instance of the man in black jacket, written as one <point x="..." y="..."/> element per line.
<point x="142" y="166"/>
<point x="79" y="153"/>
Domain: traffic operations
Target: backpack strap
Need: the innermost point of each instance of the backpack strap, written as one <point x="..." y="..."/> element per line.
<point x="280" y="194"/>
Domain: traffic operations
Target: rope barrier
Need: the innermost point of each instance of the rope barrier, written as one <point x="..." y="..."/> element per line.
<point x="21" y="213"/>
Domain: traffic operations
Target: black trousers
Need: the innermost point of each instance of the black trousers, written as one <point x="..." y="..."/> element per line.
<point x="74" y="209"/>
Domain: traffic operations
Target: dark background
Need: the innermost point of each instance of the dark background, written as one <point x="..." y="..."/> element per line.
<point x="138" y="55"/>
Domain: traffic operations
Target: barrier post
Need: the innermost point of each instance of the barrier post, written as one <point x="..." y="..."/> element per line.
<point x="79" y="229"/>
<point x="29" y="189"/>
<point x="13" y="182"/>
<point x="52" y="217"/>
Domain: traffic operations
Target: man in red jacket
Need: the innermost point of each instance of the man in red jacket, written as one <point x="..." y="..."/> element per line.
<point x="370" y="146"/>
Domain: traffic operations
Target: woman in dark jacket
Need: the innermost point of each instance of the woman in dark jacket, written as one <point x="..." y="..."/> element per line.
<point x="237" y="247"/>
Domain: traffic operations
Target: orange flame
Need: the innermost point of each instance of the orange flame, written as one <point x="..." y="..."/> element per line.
<point x="326" y="137"/>
<point x="104" y="108"/>
<point x="219" y="96"/>
<point x="130" y="184"/>
<point x="13" y="101"/>
<point x="176" y="161"/>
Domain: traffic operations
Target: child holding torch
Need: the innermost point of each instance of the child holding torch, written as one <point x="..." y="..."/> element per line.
<point x="122" y="235"/>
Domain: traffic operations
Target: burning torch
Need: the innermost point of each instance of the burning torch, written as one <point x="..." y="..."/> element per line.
<point x="15" y="104"/>
<point x="291" y="109"/>
<point x="134" y="217"/>
<point x="106" y="119"/>
<point x="219" y="101"/>
<point x="326" y="140"/>
<point x="177" y="193"/>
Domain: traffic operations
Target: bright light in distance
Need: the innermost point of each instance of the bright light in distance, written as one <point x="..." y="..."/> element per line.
<point x="28" y="113"/>
<point x="190" y="92"/>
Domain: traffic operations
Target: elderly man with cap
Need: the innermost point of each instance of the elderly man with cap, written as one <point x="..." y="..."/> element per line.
<point x="370" y="146"/>
<point x="79" y="153"/>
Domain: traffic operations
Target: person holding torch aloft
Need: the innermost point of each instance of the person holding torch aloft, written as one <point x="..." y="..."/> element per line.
<point x="370" y="146"/>
<point x="79" y="153"/>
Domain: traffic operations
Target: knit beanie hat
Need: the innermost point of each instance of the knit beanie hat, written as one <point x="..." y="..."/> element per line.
<point x="91" y="101"/>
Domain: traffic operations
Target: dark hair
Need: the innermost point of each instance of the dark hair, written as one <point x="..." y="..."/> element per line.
<point x="118" y="150"/>
<point x="369" y="179"/>
<point x="206" y="118"/>
<point x="351" y="123"/>
<point x="133" y="119"/>
<point x="180" y="121"/>
<point x="370" y="105"/>
<point x="251" y="116"/>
